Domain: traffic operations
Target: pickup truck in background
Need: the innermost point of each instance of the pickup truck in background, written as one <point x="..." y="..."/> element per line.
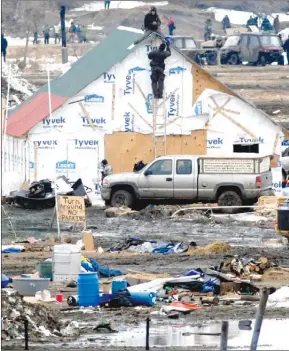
<point x="227" y="181"/>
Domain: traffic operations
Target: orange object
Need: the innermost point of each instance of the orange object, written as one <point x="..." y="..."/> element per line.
<point x="185" y="305"/>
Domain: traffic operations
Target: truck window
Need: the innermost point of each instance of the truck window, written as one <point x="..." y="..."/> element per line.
<point x="250" y="149"/>
<point x="178" y="43"/>
<point x="270" y="41"/>
<point x="184" y="167"/>
<point x="244" y="40"/>
<point x="190" y="44"/>
<point x="254" y="41"/>
<point x="161" y="167"/>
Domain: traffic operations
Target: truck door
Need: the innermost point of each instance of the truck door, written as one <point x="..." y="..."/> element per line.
<point x="254" y="48"/>
<point x="185" y="179"/>
<point x="244" y="48"/>
<point x="157" y="180"/>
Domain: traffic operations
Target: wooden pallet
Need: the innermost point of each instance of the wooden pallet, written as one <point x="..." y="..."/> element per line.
<point x="271" y="201"/>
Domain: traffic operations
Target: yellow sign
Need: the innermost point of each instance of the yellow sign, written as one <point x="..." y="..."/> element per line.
<point x="71" y="209"/>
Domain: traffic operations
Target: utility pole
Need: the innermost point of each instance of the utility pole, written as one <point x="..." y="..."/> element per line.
<point x="63" y="35"/>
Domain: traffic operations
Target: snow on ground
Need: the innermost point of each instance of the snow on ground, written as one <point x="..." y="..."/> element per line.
<point x="241" y="17"/>
<point x="16" y="82"/>
<point x="99" y="5"/>
<point x="93" y="27"/>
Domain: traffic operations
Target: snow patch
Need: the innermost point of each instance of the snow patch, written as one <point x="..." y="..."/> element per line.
<point x="99" y="5"/>
<point x="93" y="27"/>
<point x="130" y="29"/>
<point x="241" y="17"/>
<point x="16" y="82"/>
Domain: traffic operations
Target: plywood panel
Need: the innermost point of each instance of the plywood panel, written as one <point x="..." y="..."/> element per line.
<point x="124" y="149"/>
<point x="204" y="80"/>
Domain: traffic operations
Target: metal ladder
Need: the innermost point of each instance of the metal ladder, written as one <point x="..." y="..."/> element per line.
<point x="159" y="126"/>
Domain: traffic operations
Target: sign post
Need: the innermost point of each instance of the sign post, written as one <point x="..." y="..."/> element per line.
<point x="71" y="209"/>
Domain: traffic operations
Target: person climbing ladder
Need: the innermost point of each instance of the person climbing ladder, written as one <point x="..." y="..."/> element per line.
<point x="157" y="64"/>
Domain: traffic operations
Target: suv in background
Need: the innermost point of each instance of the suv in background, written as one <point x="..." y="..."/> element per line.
<point x="254" y="48"/>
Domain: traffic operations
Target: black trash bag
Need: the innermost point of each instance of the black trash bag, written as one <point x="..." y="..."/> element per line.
<point x="138" y="166"/>
<point x="121" y="299"/>
<point x="36" y="191"/>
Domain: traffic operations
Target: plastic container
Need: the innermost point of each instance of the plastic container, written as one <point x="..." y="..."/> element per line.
<point x="144" y="298"/>
<point x="4" y="281"/>
<point x="29" y="287"/>
<point x="72" y="300"/>
<point x="283" y="217"/>
<point x="118" y="285"/>
<point x="88" y="289"/>
<point x="44" y="269"/>
<point x="66" y="262"/>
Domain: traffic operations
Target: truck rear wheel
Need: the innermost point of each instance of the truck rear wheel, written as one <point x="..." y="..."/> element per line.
<point x="262" y="60"/>
<point x="234" y="59"/>
<point x="122" y="198"/>
<point x="230" y="198"/>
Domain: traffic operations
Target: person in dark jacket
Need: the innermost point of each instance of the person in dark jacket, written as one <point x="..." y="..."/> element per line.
<point x="266" y="25"/>
<point x="106" y="4"/>
<point x="286" y="48"/>
<point x="35" y="38"/>
<point x="276" y="24"/>
<point x="152" y="24"/>
<point x="157" y="64"/>
<point x="46" y="34"/>
<point x="226" y="22"/>
<point x="4" y="45"/>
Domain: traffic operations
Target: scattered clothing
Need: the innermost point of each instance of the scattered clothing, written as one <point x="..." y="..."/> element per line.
<point x="91" y="265"/>
<point x="4" y="45"/>
<point x="157" y="64"/>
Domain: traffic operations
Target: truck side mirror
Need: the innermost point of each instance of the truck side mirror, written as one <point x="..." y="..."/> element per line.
<point x="147" y="173"/>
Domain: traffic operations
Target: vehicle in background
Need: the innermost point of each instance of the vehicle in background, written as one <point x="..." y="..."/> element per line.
<point x="254" y="48"/>
<point x="227" y="181"/>
<point x="285" y="163"/>
<point x="199" y="51"/>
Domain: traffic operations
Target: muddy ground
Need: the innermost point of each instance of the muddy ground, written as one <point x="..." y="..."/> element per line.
<point x="245" y="239"/>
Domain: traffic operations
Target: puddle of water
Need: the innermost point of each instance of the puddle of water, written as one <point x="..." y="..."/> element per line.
<point x="273" y="336"/>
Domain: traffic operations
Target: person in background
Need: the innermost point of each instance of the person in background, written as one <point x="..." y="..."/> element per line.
<point x="71" y="31"/>
<point x="157" y="64"/>
<point x="46" y="34"/>
<point x="57" y="34"/>
<point x="83" y="34"/>
<point x="4" y="46"/>
<point x="77" y="32"/>
<point x="171" y="26"/>
<point x="106" y="4"/>
<point x="208" y="29"/>
<point x="266" y="25"/>
<point x="286" y="48"/>
<point x="276" y="24"/>
<point x="35" y="38"/>
<point x="226" y="22"/>
<point x="106" y="169"/>
<point x="152" y="24"/>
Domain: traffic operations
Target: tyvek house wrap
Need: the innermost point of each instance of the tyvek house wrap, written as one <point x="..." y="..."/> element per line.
<point x="69" y="144"/>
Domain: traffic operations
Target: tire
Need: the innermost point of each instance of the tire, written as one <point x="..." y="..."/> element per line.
<point x="234" y="59"/>
<point x="122" y="198"/>
<point x="230" y="198"/>
<point x="281" y="61"/>
<point x="262" y="60"/>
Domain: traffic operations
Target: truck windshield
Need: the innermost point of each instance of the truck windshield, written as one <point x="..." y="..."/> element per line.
<point x="232" y="41"/>
<point x="270" y="41"/>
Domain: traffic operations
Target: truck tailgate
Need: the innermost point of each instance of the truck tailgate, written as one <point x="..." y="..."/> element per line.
<point x="267" y="180"/>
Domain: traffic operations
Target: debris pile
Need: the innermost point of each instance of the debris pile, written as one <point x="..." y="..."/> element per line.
<point x="42" y="323"/>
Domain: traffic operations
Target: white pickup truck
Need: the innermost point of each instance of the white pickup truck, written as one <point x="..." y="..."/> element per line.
<point x="227" y="181"/>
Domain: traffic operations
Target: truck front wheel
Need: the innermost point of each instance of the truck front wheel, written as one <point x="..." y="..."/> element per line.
<point x="122" y="198"/>
<point x="230" y="198"/>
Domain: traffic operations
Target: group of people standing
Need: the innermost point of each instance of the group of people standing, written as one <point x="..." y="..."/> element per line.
<point x="76" y="33"/>
<point x="264" y="23"/>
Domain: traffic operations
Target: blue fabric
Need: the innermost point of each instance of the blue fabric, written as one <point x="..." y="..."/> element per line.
<point x="91" y="265"/>
<point x="11" y="250"/>
<point x="165" y="249"/>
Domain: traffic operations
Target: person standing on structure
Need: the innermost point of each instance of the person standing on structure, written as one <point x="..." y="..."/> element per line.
<point x="276" y="24"/>
<point x="106" y="4"/>
<point x="157" y="64"/>
<point x="152" y="24"/>
<point x="4" y="45"/>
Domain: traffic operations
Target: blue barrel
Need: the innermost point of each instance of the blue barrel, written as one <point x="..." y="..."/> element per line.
<point x="88" y="289"/>
<point x="144" y="298"/>
<point x="118" y="285"/>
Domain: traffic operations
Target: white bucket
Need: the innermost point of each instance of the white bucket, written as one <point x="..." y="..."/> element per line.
<point x="66" y="262"/>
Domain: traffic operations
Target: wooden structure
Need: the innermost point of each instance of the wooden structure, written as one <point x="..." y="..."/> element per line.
<point x="123" y="149"/>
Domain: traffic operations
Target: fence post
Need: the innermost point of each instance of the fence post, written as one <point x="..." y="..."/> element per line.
<point x="26" y="333"/>
<point x="148" y="334"/>
<point x="259" y="318"/>
<point x="224" y="336"/>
